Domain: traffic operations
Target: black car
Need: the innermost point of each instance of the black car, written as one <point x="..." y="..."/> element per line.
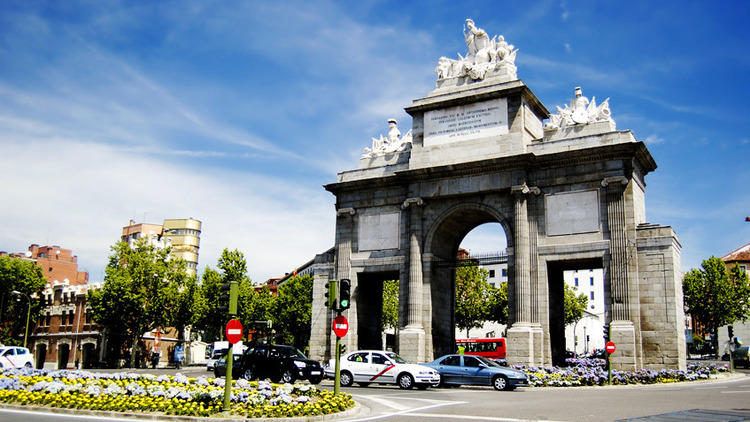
<point x="277" y="362"/>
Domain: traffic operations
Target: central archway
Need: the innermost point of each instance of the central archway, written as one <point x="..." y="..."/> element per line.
<point x="441" y="245"/>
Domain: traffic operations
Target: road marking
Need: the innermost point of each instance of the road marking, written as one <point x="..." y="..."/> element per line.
<point x="735" y="392"/>
<point x="387" y="403"/>
<point x="406" y="412"/>
<point x="711" y="388"/>
<point x="67" y="415"/>
<point x="467" y="417"/>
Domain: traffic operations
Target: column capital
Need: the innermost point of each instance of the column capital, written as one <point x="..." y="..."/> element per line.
<point x="412" y="201"/>
<point x="607" y="181"/>
<point x="524" y="189"/>
<point x="345" y="212"/>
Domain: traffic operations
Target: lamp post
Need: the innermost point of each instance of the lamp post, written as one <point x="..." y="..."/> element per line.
<point x="28" y="315"/>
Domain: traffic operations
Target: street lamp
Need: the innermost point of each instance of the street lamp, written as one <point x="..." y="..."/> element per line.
<point x="28" y="314"/>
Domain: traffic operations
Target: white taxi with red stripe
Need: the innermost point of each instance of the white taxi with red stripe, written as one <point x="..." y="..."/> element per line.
<point x="377" y="366"/>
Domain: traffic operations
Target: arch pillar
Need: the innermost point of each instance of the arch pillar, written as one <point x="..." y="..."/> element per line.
<point x="523" y="332"/>
<point x="411" y="340"/>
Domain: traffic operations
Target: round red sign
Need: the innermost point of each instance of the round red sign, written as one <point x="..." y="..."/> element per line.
<point x="340" y="326"/>
<point x="234" y="331"/>
<point x="610" y="347"/>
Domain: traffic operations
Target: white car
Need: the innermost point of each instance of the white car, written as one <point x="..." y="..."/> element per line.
<point x="368" y="366"/>
<point x="15" y="357"/>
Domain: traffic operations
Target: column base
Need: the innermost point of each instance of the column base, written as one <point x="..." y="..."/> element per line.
<point x="622" y="333"/>
<point x="520" y="344"/>
<point x="538" y="348"/>
<point x="411" y="344"/>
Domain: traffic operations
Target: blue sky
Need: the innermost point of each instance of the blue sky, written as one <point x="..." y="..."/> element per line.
<point x="236" y="113"/>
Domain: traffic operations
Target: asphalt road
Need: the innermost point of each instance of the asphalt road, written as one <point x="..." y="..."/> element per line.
<point x="389" y="403"/>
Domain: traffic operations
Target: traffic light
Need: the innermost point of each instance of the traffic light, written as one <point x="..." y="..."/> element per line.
<point x="342" y="348"/>
<point x="730" y="330"/>
<point x="344" y="294"/>
<point x="331" y="294"/>
<point x="606" y="332"/>
<point x="228" y="299"/>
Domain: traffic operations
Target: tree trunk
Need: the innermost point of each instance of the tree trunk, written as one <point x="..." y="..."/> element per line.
<point x="133" y="349"/>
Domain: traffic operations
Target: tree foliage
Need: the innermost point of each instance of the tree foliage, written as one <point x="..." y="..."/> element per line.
<point x="293" y="311"/>
<point x="140" y="292"/>
<point x="497" y="310"/>
<point x="715" y="296"/>
<point x="26" y="277"/>
<point x="476" y="300"/>
<point x="574" y="305"/>
<point x="390" y="304"/>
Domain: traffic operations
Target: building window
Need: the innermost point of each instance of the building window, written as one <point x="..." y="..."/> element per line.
<point x="592" y="295"/>
<point x="591" y="281"/>
<point x="492" y="273"/>
<point x="505" y="272"/>
<point x="576" y="281"/>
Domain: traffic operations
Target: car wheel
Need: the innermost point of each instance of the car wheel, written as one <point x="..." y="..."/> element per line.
<point x="422" y="386"/>
<point x="405" y="381"/>
<point x="248" y="374"/>
<point x="28" y="364"/>
<point x="501" y="383"/>
<point x="316" y="379"/>
<point x="345" y="379"/>
<point x="287" y="376"/>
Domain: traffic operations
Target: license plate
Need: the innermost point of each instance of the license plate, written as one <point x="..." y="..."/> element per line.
<point x="314" y="372"/>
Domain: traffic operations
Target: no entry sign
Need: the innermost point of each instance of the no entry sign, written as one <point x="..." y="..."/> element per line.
<point x="340" y="326"/>
<point x="234" y="331"/>
<point x="610" y="347"/>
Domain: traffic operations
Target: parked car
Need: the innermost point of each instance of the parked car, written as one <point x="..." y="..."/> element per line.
<point x="15" y="357"/>
<point x="367" y="366"/>
<point x="477" y="370"/>
<point x="278" y="362"/>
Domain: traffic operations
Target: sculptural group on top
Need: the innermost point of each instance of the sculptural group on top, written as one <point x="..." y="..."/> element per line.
<point x="580" y="111"/>
<point x="484" y="55"/>
<point x="394" y="142"/>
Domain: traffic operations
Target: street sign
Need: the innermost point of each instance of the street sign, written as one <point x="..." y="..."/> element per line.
<point x="340" y="326"/>
<point x="610" y="347"/>
<point x="234" y="331"/>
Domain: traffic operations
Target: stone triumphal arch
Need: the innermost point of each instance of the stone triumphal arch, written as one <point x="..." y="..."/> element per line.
<point x="569" y="194"/>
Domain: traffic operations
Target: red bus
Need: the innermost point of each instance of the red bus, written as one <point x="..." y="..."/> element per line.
<point x="491" y="348"/>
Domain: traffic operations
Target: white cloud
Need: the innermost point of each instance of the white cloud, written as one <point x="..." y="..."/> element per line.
<point x="653" y="139"/>
<point x="79" y="195"/>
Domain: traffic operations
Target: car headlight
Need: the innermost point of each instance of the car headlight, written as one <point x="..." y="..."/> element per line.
<point x="300" y="364"/>
<point x="427" y="372"/>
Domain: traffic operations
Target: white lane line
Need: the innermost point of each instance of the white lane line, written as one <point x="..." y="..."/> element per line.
<point x="711" y="388"/>
<point x="70" y="415"/>
<point x="467" y="417"/>
<point x="735" y="392"/>
<point x="406" y="412"/>
<point x="386" y="402"/>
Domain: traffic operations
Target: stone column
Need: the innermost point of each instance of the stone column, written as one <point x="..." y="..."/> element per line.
<point x="521" y="333"/>
<point x="344" y="229"/>
<point x="536" y="326"/>
<point x="412" y="337"/>
<point x="622" y="329"/>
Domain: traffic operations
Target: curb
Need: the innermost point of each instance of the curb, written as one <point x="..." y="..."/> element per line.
<point x="159" y="416"/>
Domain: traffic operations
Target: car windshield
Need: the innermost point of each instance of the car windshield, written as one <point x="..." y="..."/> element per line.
<point x="396" y="358"/>
<point x="486" y="361"/>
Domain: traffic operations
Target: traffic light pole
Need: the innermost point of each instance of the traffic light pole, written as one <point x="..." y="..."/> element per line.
<point x="233" y="295"/>
<point x="337" y="376"/>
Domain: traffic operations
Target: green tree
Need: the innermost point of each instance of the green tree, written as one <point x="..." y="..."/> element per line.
<point x="497" y="309"/>
<point x="190" y="307"/>
<point x="472" y="297"/>
<point x="715" y="296"/>
<point x="390" y="304"/>
<point x="574" y="305"/>
<point x="140" y="290"/>
<point x="293" y="310"/>
<point x="26" y="277"/>
<point x="232" y="267"/>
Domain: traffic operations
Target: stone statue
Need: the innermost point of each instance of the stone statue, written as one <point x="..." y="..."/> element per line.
<point x="484" y="56"/>
<point x="580" y="111"/>
<point x="390" y="144"/>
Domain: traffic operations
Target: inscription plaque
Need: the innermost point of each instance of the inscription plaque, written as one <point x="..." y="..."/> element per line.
<point x="379" y="231"/>
<point x="572" y="212"/>
<point x="465" y="122"/>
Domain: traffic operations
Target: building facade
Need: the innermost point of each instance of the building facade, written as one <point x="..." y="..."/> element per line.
<point x="65" y="336"/>
<point x="182" y="234"/>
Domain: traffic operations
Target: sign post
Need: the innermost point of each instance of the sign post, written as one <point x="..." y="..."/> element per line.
<point x="234" y="334"/>
<point x="610" y="348"/>
<point x="340" y="328"/>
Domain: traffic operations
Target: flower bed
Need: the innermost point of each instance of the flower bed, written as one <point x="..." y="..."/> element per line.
<point x="593" y="372"/>
<point x="171" y="395"/>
